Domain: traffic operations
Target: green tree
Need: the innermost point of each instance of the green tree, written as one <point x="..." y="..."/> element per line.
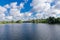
<point x="51" y="20"/>
<point x="19" y="21"/>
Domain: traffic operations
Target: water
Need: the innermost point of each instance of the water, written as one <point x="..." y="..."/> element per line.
<point x="29" y="31"/>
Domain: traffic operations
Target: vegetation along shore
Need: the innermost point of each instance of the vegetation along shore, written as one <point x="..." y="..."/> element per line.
<point x="50" y="20"/>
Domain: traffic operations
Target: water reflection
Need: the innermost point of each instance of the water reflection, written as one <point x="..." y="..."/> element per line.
<point x="6" y="32"/>
<point x="25" y="32"/>
<point x="29" y="31"/>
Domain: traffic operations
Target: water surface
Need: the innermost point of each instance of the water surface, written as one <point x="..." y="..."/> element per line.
<point x="29" y="31"/>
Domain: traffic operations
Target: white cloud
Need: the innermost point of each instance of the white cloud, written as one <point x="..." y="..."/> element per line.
<point x="57" y="5"/>
<point x="17" y="15"/>
<point x="44" y="0"/>
<point x="2" y="13"/>
<point x="25" y="16"/>
<point x="14" y="12"/>
<point x="8" y="18"/>
<point x="2" y="17"/>
<point x="28" y="14"/>
<point x="40" y="5"/>
<point x="2" y="9"/>
<point x="7" y="6"/>
<point x="42" y="8"/>
<point x="13" y="5"/>
<point x="56" y="9"/>
<point x="21" y="5"/>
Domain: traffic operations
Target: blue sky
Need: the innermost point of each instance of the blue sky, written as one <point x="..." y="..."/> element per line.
<point x="28" y="9"/>
<point x="27" y="6"/>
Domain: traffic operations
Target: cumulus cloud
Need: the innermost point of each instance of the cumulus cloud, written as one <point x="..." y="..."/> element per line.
<point x="2" y="17"/>
<point x="56" y="9"/>
<point x="42" y="8"/>
<point x="13" y="5"/>
<point x="8" y="18"/>
<point x="41" y="5"/>
<point x="14" y="11"/>
<point x="2" y="13"/>
<point x="21" y="5"/>
<point x="7" y="6"/>
<point x="2" y="9"/>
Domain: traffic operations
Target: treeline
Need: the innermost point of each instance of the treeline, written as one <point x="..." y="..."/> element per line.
<point x="50" y="20"/>
<point x="5" y="22"/>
